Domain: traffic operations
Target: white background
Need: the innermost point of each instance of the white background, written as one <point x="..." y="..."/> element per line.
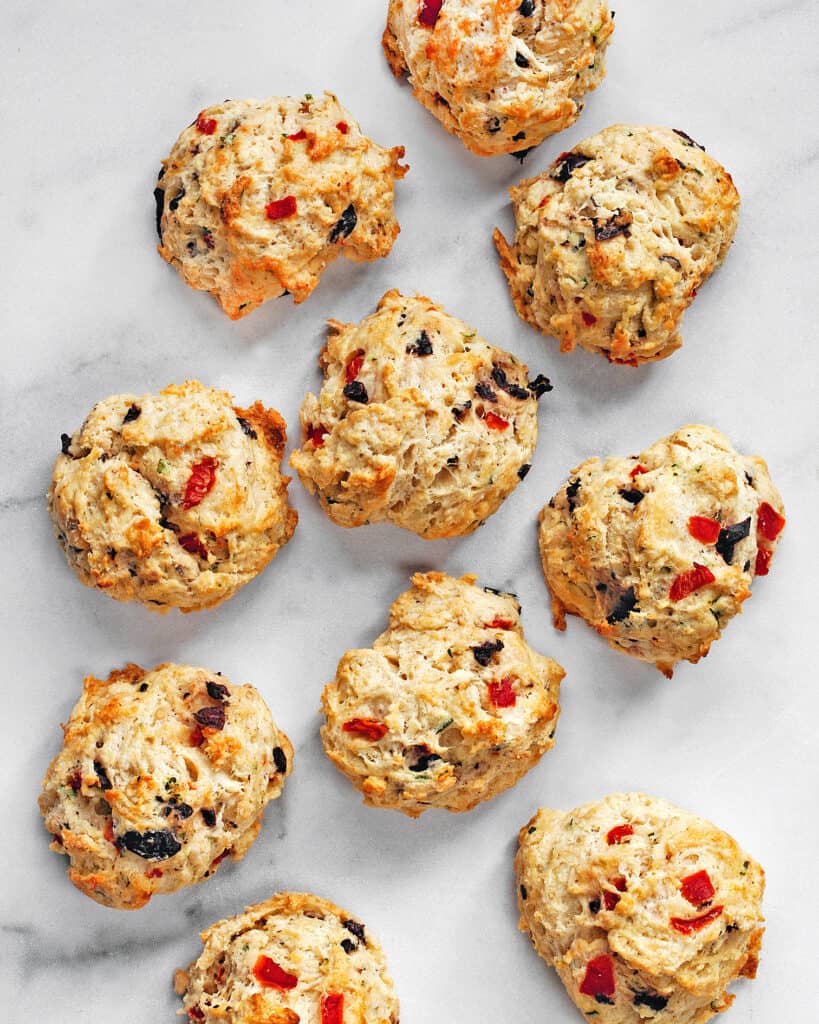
<point x="94" y="95"/>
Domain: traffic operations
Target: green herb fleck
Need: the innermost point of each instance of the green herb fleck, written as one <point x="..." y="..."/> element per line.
<point x="445" y="725"/>
<point x="170" y="783"/>
<point x="162" y="466"/>
<point x="532" y="829"/>
<point x="308" y="96"/>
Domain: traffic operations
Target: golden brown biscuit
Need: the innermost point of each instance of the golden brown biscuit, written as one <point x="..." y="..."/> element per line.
<point x="162" y="774"/>
<point x="449" y="707"/>
<point x="502" y="75"/>
<point x="295" y="958"/>
<point x="658" y="551"/>
<point x="613" y="241"/>
<point x="175" y="500"/>
<point x="645" y="911"/>
<point x="256" y="198"/>
<point x="420" y="422"/>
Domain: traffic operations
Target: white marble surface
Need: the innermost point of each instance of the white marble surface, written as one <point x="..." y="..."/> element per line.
<point x="94" y="95"/>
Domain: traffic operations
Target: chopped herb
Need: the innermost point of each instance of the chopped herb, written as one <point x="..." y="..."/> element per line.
<point x="687" y="139"/>
<point x="447" y="723"/>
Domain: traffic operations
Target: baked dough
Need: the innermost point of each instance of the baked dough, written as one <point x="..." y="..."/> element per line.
<point x="294" y="959"/>
<point x="658" y="551"/>
<point x="162" y="774"/>
<point x="420" y="422"/>
<point x="645" y="911"/>
<point x="614" y="240"/>
<point x="502" y="75"/>
<point x="449" y="707"/>
<point x="256" y="198"/>
<point x="175" y="500"/>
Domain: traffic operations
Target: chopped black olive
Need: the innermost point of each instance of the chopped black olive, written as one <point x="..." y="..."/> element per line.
<point x="484" y="391"/>
<point x="601" y="587"/>
<point x="424" y="761"/>
<point x="594" y="906"/>
<point x="523" y="893"/>
<point x="184" y="810"/>
<point x="180" y="195"/>
<point x="515" y="390"/>
<point x="493" y="125"/>
<point x="348" y="946"/>
<point x="208" y="816"/>
<point x="485" y="652"/>
<point x="633" y="496"/>
<point x="566" y="167"/>
<point x="356" y="392"/>
<point x="641" y="332"/>
<point x="522" y="154"/>
<point x="143" y="688"/>
<point x="624" y="606"/>
<point x="521" y="61"/>
<point x="749" y="480"/>
<point x="571" y="493"/>
<point x="134" y="412"/>
<point x="672" y="261"/>
<point x="422" y="346"/>
<point x="102" y="775"/>
<point x="218" y="691"/>
<point x="453" y="460"/>
<point x="687" y="138"/>
<point x="540" y="385"/>
<point x="459" y="411"/>
<point x="607" y="1000"/>
<point x="503" y="593"/>
<point x="211" y="717"/>
<point x="345" y="225"/>
<point x="651" y="1000"/>
<point x="355" y="928"/>
<point x="152" y="845"/>
<point x="731" y="535"/>
<point x="524" y="469"/>
<point x="279" y="759"/>
<point x="747" y="566"/>
<point x="65" y="443"/>
<point x="618" y="224"/>
<point x="246" y="428"/>
<point x="519" y="137"/>
<point x="159" y="199"/>
<point x="527" y="8"/>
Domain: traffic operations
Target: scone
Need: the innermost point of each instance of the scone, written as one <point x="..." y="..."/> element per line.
<point x="657" y="551"/>
<point x="295" y="958"/>
<point x="420" y="422"/>
<point x="163" y="773"/>
<point x="614" y="240"/>
<point x="449" y="707"/>
<point x="502" y="75"/>
<point x="256" y="198"/>
<point x="175" y="500"/>
<point x="645" y="911"/>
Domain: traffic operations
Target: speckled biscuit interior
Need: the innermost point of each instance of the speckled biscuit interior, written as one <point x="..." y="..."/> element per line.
<point x="613" y="241"/>
<point x="502" y="75"/>
<point x="256" y="198"/>
<point x="658" y="551"/>
<point x="420" y="422"/>
<point x="449" y="707"/>
<point x="162" y="774"/>
<point x="645" y="911"/>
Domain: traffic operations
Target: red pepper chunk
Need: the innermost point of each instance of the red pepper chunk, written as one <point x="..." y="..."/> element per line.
<point x="618" y="834"/>
<point x="599" y="977"/>
<point x="195" y="1013"/>
<point x="763" y="562"/>
<point x="495" y="422"/>
<point x="281" y="208"/>
<point x="316" y="434"/>
<point x="704" y="529"/>
<point x="268" y="973"/>
<point x="611" y="899"/>
<point x="192" y="543"/>
<point x="589" y="319"/>
<point x="108" y="831"/>
<point x="332" y="1008"/>
<point x="196" y="737"/>
<point x="206" y="125"/>
<point x="154" y="873"/>
<point x="428" y="14"/>
<point x="687" y="582"/>
<point x="769" y="522"/>
<point x="498" y="623"/>
<point x="298" y="136"/>
<point x="200" y="482"/>
<point x="502" y="694"/>
<point x="689" y="925"/>
<point x="697" y="888"/>
<point x="369" y="728"/>
<point x="353" y="368"/>
<point x="638" y="469"/>
<point x="343" y="127"/>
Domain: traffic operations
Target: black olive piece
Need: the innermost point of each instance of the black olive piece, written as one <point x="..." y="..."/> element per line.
<point x="601" y="587"/>
<point x="672" y="261"/>
<point x="65" y="443"/>
<point x="687" y="138"/>
<point x="600" y="998"/>
<point x="151" y="845"/>
<point x="143" y="688"/>
<point x="356" y="392"/>
<point x="524" y="469"/>
<point x="184" y="810"/>
<point x="345" y="225"/>
<point x="485" y="652"/>
<point x="211" y="717"/>
<point x="191" y="247"/>
<point x="159" y="199"/>
<point x="279" y="759"/>
<point x="208" y="816"/>
<point x="527" y="8"/>
<point x="348" y="946"/>
<point x="422" y="346"/>
<point x="134" y="412"/>
<point x="618" y="224"/>
<point x="502" y="593"/>
<point x="515" y="390"/>
<point x="521" y="61"/>
<point x="651" y="1000"/>
<point x="522" y="154"/>
<point x="568" y="165"/>
<point x="632" y="496"/>
<point x="540" y="385"/>
<point x="747" y="566"/>
<point x="493" y="125"/>
<point x="484" y="391"/>
<point x="731" y="535"/>
<point x="246" y="428"/>
<point x="423" y="762"/>
<point x="177" y="199"/>
<point x="519" y="137"/>
<point x="641" y="333"/>
<point x="523" y="893"/>
<point x="453" y="460"/>
<point x="355" y="928"/>
<point x="459" y="411"/>
<point x="102" y="775"/>
<point x="594" y="906"/>
<point x="626" y="603"/>
<point x="571" y="493"/>
<point x="218" y="691"/>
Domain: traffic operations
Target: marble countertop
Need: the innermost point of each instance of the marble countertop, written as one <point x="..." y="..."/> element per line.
<point x="95" y="95"/>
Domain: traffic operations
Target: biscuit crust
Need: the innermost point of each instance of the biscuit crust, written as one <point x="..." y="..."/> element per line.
<point x="449" y="707"/>
<point x="162" y="774"/>
<point x="625" y="544"/>
<point x="412" y="426"/>
<point x="257" y="198"/>
<point x="174" y="500"/>
<point x="500" y="74"/>
<point x="614" y="240"/>
<point x="295" y="957"/>
<point x="644" y="910"/>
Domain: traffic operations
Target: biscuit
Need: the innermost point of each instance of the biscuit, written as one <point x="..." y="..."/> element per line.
<point x="658" y="551"/>
<point x="257" y="198"/>
<point x="449" y="707"/>
<point x="502" y="76"/>
<point x="162" y="774"/>
<point x="420" y="422"/>
<point x="175" y="500"/>
<point x="295" y="958"/>
<point x="613" y="241"/>
<point x="645" y="911"/>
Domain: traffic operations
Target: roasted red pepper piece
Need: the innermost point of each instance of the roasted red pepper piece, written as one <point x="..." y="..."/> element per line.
<point x="206" y="125"/>
<point x="763" y="562"/>
<point x="704" y="529"/>
<point x="353" y="368"/>
<point x="195" y="1013"/>
<point x="611" y="899"/>
<point x="154" y="873"/>
<point x="196" y="737"/>
<point x="200" y="482"/>
<point x="618" y="833"/>
<point x="268" y="973"/>
<point x="332" y="1008"/>
<point x="281" y="208"/>
<point x="108" y="832"/>
<point x="316" y="434"/>
<point x="687" y="582"/>
<point x="599" y="978"/>
<point x="502" y="693"/>
<point x="495" y="422"/>
<point x="498" y="623"/>
<point x="343" y="127"/>
<point x="298" y="136"/>
<point x="689" y="925"/>
<point x="369" y="728"/>
<point x="638" y="469"/>
<point x="428" y="14"/>
<point x="769" y="522"/>
<point x="192" y="543"/>
<point x="589" y="319"/>
<point x="697" y="888"/>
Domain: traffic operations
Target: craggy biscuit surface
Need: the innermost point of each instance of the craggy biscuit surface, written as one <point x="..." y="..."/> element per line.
<point x="162" y="774"/>
<point x="256" y="198"/>
<point x="420" y="422"/>
<point x="646" y="911"/>
<point x="502" y="75"/>
<point x="295" y="959"/>
<point x="175" y="500"/>
<point x="449" y="707"/>
<point x="613" y="241"/>
<point x="658" y="551"/>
